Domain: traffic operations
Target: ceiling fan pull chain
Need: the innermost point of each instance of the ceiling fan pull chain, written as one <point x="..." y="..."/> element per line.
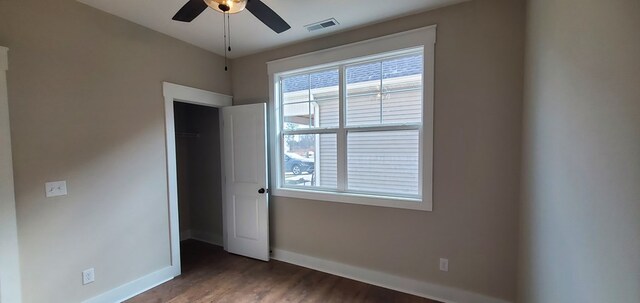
<point x="224" y="27"/>
<point x="229" y="30"/>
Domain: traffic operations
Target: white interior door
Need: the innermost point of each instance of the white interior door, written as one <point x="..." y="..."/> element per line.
<point x="246" y="211"/>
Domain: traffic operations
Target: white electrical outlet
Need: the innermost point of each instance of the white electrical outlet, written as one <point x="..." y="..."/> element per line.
<point x="444" y="264"/>
<point x="53" y="189"/>
<point x="88" y="276"/>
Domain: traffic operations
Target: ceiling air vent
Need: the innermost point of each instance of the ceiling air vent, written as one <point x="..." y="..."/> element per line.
<point x="322" y="24"/>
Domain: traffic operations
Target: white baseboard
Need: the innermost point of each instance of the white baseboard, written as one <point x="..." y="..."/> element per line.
<point x="202" y="236"/>
<point x="135" y="287"/>
<point x="154" y="279"/>
<point x="411" y="286"/>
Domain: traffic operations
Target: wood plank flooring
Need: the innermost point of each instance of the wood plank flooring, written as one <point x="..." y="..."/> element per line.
<point x="209" y="274"/>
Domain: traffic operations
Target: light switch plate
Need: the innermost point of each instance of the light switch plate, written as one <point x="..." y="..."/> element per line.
<point x="57" y="188"/>
<point x="444" y="264"/>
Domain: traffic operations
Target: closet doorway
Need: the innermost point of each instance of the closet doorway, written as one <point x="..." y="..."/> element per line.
<point x="197" y="135"/>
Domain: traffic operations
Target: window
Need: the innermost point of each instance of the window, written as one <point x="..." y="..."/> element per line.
<point x="356" y="130"/>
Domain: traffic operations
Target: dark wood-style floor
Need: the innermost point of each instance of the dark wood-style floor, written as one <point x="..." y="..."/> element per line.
<point x="209" y="274"/>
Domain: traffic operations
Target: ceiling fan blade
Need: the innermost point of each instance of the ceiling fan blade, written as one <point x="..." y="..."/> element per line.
<point x="267" y="16"/>
<point x="190" y="11"/>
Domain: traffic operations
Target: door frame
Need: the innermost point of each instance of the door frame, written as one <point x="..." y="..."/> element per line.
<point x="10" y="285"/>
<point x="180" y="93"/>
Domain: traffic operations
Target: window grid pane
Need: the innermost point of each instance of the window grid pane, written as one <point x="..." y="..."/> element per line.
<point x="325" y="99"/>
<point x="389" y="168"/>
<point x="309" y="100"/>
<point x="310" y="160"/>
<point x="402" y="90"/>
<point x="364" y="103"/>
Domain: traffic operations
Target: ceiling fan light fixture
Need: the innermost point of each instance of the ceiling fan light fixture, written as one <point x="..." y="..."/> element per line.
<point x="227" y="6"/>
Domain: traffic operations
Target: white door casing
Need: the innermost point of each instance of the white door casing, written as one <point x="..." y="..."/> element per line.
<point x="172" y="93"/>
<point x="246" y="209"/>
<point x="10" y="289"/>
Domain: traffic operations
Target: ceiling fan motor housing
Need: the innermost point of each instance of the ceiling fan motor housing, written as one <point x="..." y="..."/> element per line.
<point x="227" y="6"/>
<point x="193" y="8"/>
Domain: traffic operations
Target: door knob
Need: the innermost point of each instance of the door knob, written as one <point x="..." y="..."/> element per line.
<point x="261" y="191"/>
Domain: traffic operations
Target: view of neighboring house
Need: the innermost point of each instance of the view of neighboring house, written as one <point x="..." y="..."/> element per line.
<point x="378" y="93"/>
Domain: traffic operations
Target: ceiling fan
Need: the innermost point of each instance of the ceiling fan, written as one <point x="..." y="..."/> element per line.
<point x="194" y="8"/>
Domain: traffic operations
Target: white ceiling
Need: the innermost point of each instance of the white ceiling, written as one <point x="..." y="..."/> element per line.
<point x="248" y="34"/>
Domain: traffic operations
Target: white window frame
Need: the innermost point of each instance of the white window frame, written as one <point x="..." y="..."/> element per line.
<point x="378" y="48"/>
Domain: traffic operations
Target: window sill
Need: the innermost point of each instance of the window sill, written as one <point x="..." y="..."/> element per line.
<point x="360" y="199"/>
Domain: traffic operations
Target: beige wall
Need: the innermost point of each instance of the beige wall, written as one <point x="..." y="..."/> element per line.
<point x="199" y="183"/>
<point x="86" y="106"/>
<point x="478" y="103"/>
<point x="581" y="211"/>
